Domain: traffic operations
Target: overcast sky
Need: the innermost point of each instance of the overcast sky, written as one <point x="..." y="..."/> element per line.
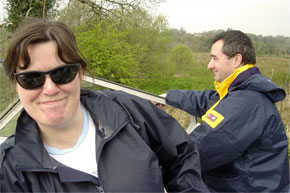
<point x="260" y="17"/>
<point x="1" y="10"/>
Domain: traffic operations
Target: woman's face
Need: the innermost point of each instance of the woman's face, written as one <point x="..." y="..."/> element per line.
<point x="51" y="105"/>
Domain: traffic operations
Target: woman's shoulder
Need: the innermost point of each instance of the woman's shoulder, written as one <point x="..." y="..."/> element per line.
<point x="5" y="147"/>
<point x="8" y="143"/>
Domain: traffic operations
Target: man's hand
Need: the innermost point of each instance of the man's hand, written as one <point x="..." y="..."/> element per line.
<point x="159" y="105"/>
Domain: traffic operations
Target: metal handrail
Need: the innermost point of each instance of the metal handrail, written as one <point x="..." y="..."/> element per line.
<point x="127" y="89"/>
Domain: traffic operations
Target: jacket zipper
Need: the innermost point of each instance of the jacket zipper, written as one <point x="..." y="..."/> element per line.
<point x="99" y="152"/>
<point x="100" y="189"/>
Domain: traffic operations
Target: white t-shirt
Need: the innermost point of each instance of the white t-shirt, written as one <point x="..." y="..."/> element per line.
<point x="82" y="156"/>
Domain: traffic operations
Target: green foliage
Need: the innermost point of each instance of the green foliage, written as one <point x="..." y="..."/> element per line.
<point x="4" y="41"/>
<point x="151" y="34"/>
<point x="162" y="85"/>
<point x="182" y="59"/>
<point x="7" y="91"/>
<point x="198" y="78"/>
<point x="109" y="55"/>
<point x="17" y="10"/>
<point x="196" y="42"/>
<point x="73" y="17"/>
<point x="124" y="48"/>
<point x="269" y="45"/>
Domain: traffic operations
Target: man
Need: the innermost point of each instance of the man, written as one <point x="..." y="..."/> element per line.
<point x="241" y="138"/>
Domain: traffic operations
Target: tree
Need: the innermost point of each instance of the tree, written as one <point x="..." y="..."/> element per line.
<point x="125" y="47"/>
<point x="109" y="55"/>
<point x="181" y="57"/>
<point x="106" y="8"/>
<point x="73" y="17"/>
<point x="18" y="9"/>
<point x="152" y="35"/>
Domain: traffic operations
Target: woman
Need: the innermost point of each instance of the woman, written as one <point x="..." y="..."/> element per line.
<point x="68" y="140"/>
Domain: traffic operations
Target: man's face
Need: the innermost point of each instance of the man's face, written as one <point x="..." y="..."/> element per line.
<point x="221" y="65"/>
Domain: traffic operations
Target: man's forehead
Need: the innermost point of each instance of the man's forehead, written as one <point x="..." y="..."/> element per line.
<point x="218" y="44"/>
<point x="216" y="48"/>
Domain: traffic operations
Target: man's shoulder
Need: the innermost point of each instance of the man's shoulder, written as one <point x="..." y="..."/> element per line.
<point x="250" y="95"/>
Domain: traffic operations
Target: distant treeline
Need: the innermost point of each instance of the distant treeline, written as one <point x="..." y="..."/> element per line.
<point x="264" y="45"/>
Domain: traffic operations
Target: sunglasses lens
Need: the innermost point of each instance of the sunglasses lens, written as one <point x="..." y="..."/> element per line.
<point x="31" y="80"/>
<point x="60" y="75"/>
<point x="65" y="74"/>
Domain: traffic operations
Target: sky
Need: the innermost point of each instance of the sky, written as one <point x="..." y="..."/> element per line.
<point x="260" y="17"/>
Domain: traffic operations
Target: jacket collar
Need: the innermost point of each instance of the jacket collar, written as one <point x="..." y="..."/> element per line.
<point x="243" y="76"/>
<point x="29" y="151"/>
<point x="222" y="88"/>
<point x="106" y="113"/>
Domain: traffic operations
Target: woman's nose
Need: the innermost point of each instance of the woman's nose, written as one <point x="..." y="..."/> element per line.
<point x="49" y="87"/>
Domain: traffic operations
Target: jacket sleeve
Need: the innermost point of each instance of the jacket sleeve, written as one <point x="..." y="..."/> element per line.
<point x="177" y="154"/>
<point x="245" y="117"/>
<point x="192" y="101"/>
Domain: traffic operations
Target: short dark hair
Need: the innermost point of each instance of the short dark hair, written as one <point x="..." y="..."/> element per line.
<point x="236" y="42"/>
<point x="33" y="31"/>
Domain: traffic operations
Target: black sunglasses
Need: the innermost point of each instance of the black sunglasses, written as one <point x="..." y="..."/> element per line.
<point x="36" y="79"/>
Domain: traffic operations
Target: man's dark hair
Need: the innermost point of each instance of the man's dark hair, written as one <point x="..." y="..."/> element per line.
<point x="236" y="42"/>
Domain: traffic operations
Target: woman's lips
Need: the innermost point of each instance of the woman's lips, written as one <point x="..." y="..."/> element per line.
<point x="52" y="102"/>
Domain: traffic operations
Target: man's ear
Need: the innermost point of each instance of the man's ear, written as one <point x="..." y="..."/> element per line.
<point x="238" y="60"/>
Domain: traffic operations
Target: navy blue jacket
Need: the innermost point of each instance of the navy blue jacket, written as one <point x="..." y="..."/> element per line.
<point x="142" y="149"/>
<point x="241" y="139"/>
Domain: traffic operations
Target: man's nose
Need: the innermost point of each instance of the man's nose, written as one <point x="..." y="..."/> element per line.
<point x="210" y="64"/>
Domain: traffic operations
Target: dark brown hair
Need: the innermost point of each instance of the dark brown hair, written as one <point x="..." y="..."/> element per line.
<point x="33" y="31"/>
<point x="236" y="42"/>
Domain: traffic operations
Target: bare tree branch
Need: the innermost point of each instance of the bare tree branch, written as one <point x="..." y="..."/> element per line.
<point x="5" y="39"/>
<point x="97" y="9"/>
<point x="30" y="8"/>
<point x="107" y="7"/>
<point x="44" y="8"/>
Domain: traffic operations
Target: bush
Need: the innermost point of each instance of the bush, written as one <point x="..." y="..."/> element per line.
<point x="181" y="58"/>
